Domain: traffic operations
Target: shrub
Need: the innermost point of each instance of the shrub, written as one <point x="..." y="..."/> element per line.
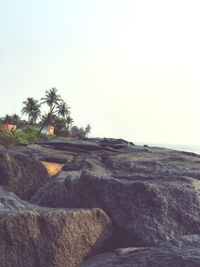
<point x="31" y="134"/>
<point x="18" y="137"/>
<point x="7" y="138"/>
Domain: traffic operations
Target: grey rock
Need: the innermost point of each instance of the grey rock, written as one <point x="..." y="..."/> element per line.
<point x="183" y="252"/>
<point x="31" y="236"/>
<point x="149" y="195"/>
<point x="21" y="174"/>
<point x="2" y="147"/>
<point x="44" y="153"/>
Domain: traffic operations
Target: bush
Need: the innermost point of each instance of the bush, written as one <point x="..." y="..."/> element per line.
<point x="18" y="137"/>
<point x="80" y="133"/>
<point x="31" y="134"/>
<point x="7" y="138"/>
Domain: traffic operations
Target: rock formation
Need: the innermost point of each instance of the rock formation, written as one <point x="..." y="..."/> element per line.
<point x="151" y="195"/>
<point x="21" y="174"/>
<point x="184" y="251"/>
<point x="31" y="236"/>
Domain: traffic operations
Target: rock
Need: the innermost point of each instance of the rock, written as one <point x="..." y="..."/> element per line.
<point x="2" y="147"/>
<point x="44" y="153"/>
<point x="150" y="195"/>
<point x="88" y="145"/>
<point x="31" y="236"/>
<point x="21" y="174"/>
<point x="10" y="202"/>
<point x="183" y="252"/>
<point x="52" y="168"/>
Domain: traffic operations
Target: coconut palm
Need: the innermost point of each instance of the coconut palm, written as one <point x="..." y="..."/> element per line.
<point x="51" y="99"/>
<point x="87" y="130"/>
<point x="63" y="110"/>
<point x="32" y="109"/>
<point x="69" y="122"/>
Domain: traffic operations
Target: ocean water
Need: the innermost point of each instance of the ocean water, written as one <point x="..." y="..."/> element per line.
<point x="187" y="148"/>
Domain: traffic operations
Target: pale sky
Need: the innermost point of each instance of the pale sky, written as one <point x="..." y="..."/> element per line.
<point x="130" y="69"/>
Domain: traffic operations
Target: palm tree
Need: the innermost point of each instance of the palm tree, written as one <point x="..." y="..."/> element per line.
<point x="69" y="121"/>
<point x="87" y="130"/>
<point x="51" y="99"/>
<point x="32" y="109"/>
<point x="63" y="110"/>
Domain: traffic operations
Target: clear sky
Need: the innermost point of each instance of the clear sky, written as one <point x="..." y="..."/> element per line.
<point x="129" y="68"/>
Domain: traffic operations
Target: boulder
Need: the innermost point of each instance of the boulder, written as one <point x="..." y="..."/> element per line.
<point x="31" y="236"/>
<point x="149" y="195"/>
<point x="10" y="202"/>
<point x="21" y="174"/>
<point x="184" y="252"/>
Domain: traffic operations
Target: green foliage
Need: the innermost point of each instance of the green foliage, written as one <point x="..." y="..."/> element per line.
<point x="7" y="138"/>
<point x="18" y="137"/>
<point x="80" y="133"/>
<point x="31" y="134"/>
<point x="32" y="109"/>
<point x="58" y="116"/>
<point x="12" y="119"/>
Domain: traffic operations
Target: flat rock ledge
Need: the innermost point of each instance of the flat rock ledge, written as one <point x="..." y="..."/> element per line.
<point x="183" y="252"/>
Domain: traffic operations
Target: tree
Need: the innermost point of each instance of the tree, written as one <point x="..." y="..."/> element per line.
<point x="59" y="124"/>
<point x="77" y="132"/>
<point x="63" y="110"/>
<point x="80" y="133"/>
<point x="16" y="119"/>
<point x="32" y="109"/>
<point x="11" y="119"/>
<point x="69" y="122"/>
<point x="7" y="119"/>
<point x="87" y="130"/>
<point x="51" y="99"/>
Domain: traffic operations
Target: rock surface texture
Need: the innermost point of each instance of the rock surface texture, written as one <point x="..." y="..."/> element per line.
<point x="151" y="195"/>
<point x="184" y="252"/>
<point x="31" y="236"/>
<point x="21" y="174"/>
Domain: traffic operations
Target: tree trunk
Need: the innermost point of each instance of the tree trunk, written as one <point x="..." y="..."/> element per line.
<point x="48" y="118"/>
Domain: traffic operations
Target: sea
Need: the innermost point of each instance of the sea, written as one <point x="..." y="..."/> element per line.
<point x="187" y="148"/>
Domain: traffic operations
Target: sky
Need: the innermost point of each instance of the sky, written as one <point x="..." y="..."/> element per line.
<point x="130" y="69"/>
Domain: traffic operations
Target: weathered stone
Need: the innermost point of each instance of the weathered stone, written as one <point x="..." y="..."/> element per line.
<point x="2" y="147"/>
<point x="150" y="195"/>
<point x="21" y="174"/>
<point x="31" y="236"/>
<point x="184" y="252"/>
<point x="44" y="153"/>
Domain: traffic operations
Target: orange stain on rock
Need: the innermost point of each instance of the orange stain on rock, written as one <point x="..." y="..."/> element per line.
<point x="52" y="168"/>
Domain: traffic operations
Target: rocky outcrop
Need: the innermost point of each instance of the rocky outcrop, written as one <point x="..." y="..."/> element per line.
<point x="150" y="194"/>
<point x="21" y="174"/>
<point x="183" y="252"/>
<point x="44" y="153"/>
<point x="86" y="146"/>
<point x="31" y="236"/>
<point x="10" y="202"/>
